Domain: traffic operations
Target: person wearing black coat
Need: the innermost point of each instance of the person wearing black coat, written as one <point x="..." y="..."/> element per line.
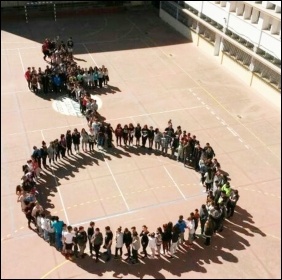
<point x="127" y="240"/>
<point x="144" y="240"/>
<point x="76" y="140"/>
<point x="69" y="142"/>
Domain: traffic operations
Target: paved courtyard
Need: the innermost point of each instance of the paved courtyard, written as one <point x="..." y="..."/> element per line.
<point x="155" y="75"/>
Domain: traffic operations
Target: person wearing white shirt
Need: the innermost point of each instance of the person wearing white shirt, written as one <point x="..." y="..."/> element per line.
<point x="191" y="226"/>
<point x="68" y="240"/>
<point x="152" y="244"/>
<point x="119" y="242"/>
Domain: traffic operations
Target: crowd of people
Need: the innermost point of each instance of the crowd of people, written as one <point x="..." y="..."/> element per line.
<point x="176" y="143"/>
<point x="65" y="75"/>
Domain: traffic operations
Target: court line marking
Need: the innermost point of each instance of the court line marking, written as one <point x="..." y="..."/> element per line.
<point x="58" y="188"/>
<point x="21" y="60"/>
<point x="54" y="268"/>
<point x="175" y="184"/>
<point x="114" y="119"/>
<point x="204" y="89"/>
<point x="123" y="198"/>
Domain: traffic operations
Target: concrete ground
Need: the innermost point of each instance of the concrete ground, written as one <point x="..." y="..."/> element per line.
<point x="155" y="75"/>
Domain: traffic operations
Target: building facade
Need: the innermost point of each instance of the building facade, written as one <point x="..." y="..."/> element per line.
<point x="243" y="34"/>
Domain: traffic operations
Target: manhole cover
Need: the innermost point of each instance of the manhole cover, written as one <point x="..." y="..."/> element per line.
<point x="69" y="107"/>
<point x="239" y="116"/>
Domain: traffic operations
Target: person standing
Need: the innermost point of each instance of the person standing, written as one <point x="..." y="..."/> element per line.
<point x="144" y="133"/>
<point x="175" y="238"/>
<point x="68" y="240"/>
<point x="137" y="134"/>
<point x="85" y="139"/>
<point x="196" y="221"/>
<point x="144" y="240"/>
<point x="76" y="140"/>
<point x="97" y="241"/>
<point x="69" y="142"/>
<point x="91" y="140"/>
<point x="127" y="240"/>
<point x="208" y="231"/>
<point x="63" y="146"/>
<point x="152" y="244"/>
<point x="119" y="242"/>
<point x="58" y="227"/>
<point x="151" y="137"/>
<point x="27" y="76"/>
<point x="108" y="242"/>
<point x="136" y="244"/>
<point x="70" y="45"/>
<point x="81" y="241"/>
<point x="51" y="153"/>
<point x="204" y="214"/>
<point x="44" y="154"/>
<point x="90" y="233"/>
<point x="119" y="134"/>
<point x="181" y="225"/>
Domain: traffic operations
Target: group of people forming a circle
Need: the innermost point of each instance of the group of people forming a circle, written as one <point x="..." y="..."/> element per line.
<point x="219" y="205"/>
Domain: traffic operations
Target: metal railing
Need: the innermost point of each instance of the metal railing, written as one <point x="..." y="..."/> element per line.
<point x="239" y="49"/>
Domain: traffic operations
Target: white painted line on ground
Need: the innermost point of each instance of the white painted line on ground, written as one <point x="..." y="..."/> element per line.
<point x="218" y="118"/>
<point x="89" y="54"/>
<point x="198" y="98"/>
<point x="123" y="198"/>
<point x="212" y="112"/>
<point x="223" y="122"/>
<point x="174" y="183"/>
<point x="136" y="210"/>
<point x="232" y="131"/>
<point x="247" y="147"/>
<point x="58" y="188"/>
<point x="240" y="140"/>
<point x="21" y="60"/>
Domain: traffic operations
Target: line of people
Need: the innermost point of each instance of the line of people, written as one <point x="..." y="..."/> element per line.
<point x="220" y="203"/>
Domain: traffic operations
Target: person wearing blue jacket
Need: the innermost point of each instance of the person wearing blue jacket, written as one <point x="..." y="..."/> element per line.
<point x="57" y="83"/>
<point x="181" y="226"/>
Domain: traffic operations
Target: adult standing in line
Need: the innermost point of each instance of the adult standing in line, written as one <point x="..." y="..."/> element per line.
<point x="97" y="241"/>
<point x="144" y="133"/>
<point x="70" y="45"/>
<point x="90" y="233"/>
<point x="127" y="240"/>
<point x="136" y="244"/>
<point x="44" y="154"/>
<point x="209" y="229"/>
<point x="151" y="137"/>
<point x="81" y="241"/>
<point x="58" y="227"/>
<point x="27" y="76"/>
<point x="181" y="225"/>
<point x="144" y="240"/>
<point x="203" y="217"/>
<point x="76" y="140"/>
<point x="68" y="240"/>
<point x="69" y="142"/>
<point x="137" y="134"/>
<point x="108" y="242"/>
<point x="119" y="242"/>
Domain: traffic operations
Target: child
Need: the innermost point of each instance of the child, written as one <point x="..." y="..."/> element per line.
<point x="152" y="244"/>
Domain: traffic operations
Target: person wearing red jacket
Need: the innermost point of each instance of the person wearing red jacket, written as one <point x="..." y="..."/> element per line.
<point x="27" y="76"/>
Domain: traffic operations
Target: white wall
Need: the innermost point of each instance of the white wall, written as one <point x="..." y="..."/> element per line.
<point x="270" y="45"/>
<point x="214" y="12"/>
<point x="244" y="29"/>
<point x="195" y="4"/>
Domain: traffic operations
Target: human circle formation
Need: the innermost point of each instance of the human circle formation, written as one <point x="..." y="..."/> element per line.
<point x="64" y="75"/>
